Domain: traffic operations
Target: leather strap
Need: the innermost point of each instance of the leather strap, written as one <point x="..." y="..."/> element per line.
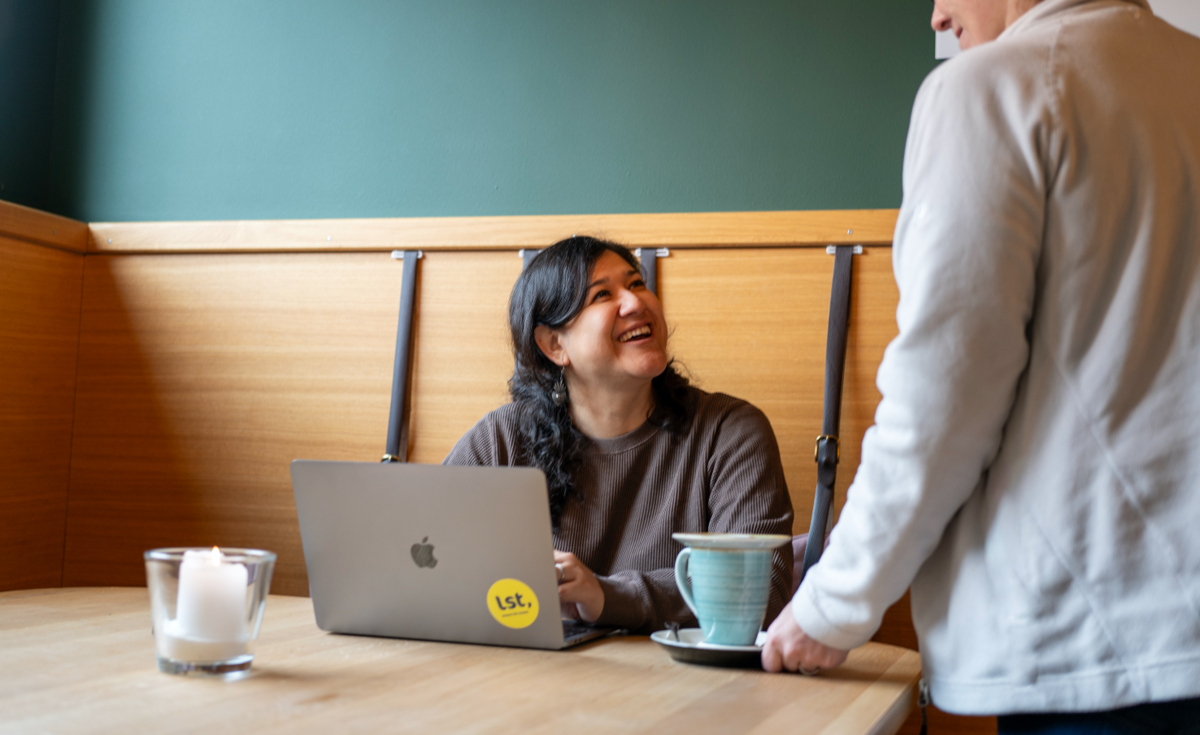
<point x="397" y="435"/>
<point x="828" y="447"/>
<point x="649" y="260"/>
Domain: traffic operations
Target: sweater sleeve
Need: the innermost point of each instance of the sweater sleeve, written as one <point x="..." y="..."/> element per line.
<point x="486" y="444"/>
<point x="643" y="601"/>
<point x="965" y="256"/>
<point x="747" y="492"/>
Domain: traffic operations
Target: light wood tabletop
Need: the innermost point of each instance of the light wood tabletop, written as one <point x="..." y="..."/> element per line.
<point x="81" y="660"/>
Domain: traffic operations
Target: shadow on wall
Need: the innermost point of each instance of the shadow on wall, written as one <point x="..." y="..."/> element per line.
<point x="28" y="60"/>
<point x="39" y="336"/>
<point x="132" y="484"/>
<point x="201" y="378"/>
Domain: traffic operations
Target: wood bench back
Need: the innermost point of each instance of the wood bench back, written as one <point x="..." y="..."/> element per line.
<point x="201" y="375"/>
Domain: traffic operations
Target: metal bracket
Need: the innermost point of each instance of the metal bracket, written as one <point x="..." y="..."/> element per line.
<point x="399" y="254"/>
<point x="527" y="256"/>
<point x="832" y="249"/>
<point x="649" y="259"/>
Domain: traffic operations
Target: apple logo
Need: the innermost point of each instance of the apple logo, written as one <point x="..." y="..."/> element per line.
<point x="422" y="554"/>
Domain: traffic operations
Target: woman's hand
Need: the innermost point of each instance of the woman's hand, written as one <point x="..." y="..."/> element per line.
<point x="788" y="648"/>
<point x="579" y="592"/>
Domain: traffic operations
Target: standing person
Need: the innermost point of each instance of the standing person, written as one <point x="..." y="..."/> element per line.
<point x="631" y="451"/>
<point x="1034" y="469"/>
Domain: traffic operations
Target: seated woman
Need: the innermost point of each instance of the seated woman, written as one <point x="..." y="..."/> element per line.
<point x="630" y="451"/>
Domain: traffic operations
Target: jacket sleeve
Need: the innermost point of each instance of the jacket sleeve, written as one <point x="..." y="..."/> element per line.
<point x="965" y="257"/>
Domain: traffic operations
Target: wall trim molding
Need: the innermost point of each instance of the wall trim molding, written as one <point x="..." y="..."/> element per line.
<point x="42" y="228"/>
<point x="680" y="230"/>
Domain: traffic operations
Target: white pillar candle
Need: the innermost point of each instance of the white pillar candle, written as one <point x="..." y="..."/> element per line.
<point x="210" y="611"/>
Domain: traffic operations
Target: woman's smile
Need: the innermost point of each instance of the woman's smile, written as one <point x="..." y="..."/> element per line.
<point x="619" y="335"/>
<point x="639" y="333"/>
<point x="611" y="350"/>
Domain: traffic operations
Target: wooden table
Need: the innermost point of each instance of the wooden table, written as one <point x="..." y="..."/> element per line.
<point x="82" y="661"/>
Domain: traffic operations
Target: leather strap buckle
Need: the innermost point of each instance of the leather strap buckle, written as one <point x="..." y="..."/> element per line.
<point x="837" y="445"/>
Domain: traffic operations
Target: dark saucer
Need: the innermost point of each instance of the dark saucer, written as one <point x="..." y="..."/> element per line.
<point x="689" y="647"/>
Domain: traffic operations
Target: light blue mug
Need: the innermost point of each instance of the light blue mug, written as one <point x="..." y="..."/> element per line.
<point x="726" y="581"/>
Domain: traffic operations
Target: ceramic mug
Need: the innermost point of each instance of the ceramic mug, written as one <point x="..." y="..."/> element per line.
<point x="726" y="581"/>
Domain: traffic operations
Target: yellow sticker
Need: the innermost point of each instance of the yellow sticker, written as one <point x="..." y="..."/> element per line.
<point x="512" y="603"/>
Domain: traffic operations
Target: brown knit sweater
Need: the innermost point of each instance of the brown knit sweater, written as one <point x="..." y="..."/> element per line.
<point x="723" y="474"/>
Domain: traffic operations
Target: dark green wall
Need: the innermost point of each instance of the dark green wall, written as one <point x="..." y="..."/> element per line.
<point x="28" y="50"/>
<point x="248" y="109"/>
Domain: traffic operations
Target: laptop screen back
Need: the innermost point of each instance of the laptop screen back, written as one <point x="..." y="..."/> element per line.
<point x="458" y="554"/>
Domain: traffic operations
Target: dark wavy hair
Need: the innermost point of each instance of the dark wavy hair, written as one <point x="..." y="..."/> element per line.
<point x="552" y="291"/>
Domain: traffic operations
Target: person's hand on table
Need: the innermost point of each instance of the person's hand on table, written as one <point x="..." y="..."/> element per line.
<point x="579" y="592"/>
<point x="788" y="648"/>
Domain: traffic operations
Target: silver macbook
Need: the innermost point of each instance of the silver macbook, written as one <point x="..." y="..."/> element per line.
<point x="460" y="554"/>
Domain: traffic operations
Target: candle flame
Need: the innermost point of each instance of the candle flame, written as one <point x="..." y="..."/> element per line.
<point x="215" y="559"/>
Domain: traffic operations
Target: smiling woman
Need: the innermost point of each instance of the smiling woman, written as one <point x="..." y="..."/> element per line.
<point x="632" y="453"/>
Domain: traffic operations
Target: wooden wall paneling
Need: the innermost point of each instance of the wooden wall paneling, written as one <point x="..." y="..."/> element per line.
<point x="201" y="378"/>
<point x="752" y="323"/>
<point x="40" y="292"/>
<point x="690" y="229"/>
<point x="43" y="228"/>
<point x="774" y="358"/>
<point x="463" y="358"/>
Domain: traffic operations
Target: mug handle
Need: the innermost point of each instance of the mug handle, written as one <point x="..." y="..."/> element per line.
<point x="682" y="581"/>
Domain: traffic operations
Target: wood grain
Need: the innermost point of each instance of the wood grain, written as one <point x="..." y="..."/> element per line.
<point x="752" y="323"/>
<point x="40" y="292"/>
<point x="201" y="378"/>
<point x="463" y="357"/>
<point x="43" y="228"/>
<point x="82" y="661"/>
<point x="693" y="230"/>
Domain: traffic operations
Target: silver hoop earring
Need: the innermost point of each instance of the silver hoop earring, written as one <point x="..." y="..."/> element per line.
<point x="558" y="393"/>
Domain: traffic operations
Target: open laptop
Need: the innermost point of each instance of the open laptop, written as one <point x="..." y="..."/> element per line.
<point x="461" y="554"/>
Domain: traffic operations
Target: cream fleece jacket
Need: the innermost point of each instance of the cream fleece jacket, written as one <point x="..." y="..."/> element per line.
<point x="1034" y="468"/>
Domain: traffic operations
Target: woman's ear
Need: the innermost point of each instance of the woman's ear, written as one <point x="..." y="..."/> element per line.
<point x="550" y="343"/>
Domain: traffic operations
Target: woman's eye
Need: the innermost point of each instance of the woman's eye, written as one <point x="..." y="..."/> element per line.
<point x="637" y="283"/>
<point x="599" y="294"/>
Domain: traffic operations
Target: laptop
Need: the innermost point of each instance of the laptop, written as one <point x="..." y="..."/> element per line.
<point x="460" y="554"/>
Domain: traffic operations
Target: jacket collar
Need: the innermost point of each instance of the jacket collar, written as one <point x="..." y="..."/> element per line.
<point x="1051" y="9"/>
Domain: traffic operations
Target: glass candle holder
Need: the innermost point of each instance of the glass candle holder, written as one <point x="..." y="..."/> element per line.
<point x="207" y="606"/>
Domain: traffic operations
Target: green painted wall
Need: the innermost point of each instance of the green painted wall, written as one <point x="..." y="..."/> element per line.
<point x="28" y="51"/>
<point x="248" y="109"/>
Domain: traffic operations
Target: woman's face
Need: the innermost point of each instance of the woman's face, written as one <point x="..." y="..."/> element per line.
<point x="619" y="337"/>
